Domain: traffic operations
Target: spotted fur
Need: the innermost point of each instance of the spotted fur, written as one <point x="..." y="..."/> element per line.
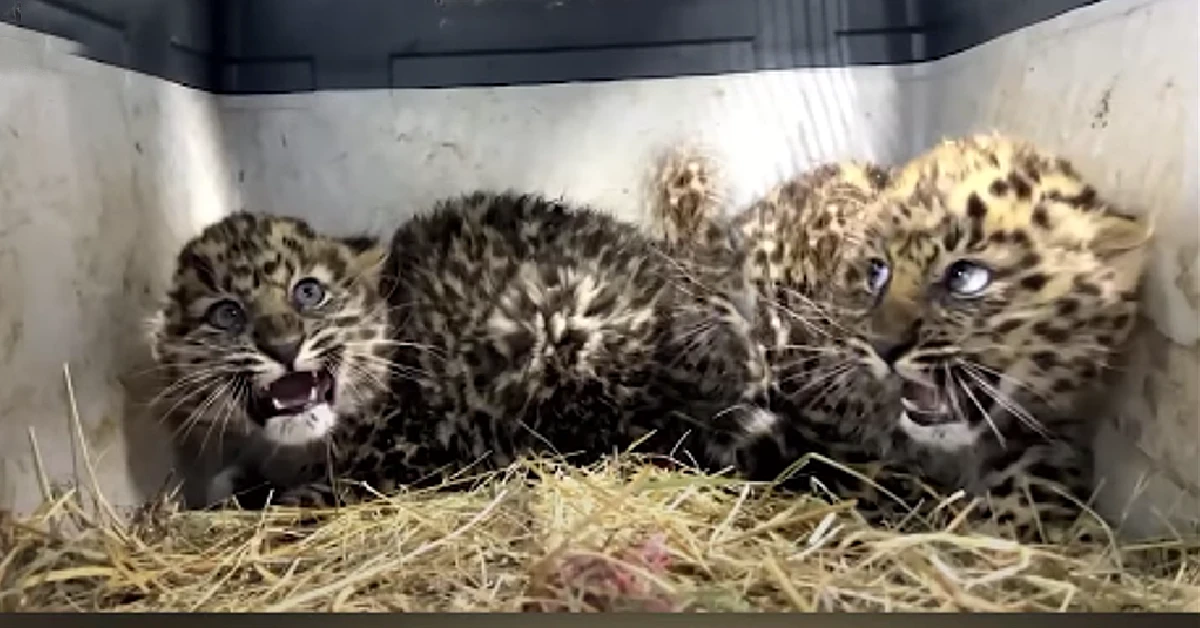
<point x="860" y="277"/>
<point x="1012" y="287"/>
<point x="784" y="249"/>
<point x="255" y="298"/>
<point x="523" y="325"/>
<point x="688" y="196"/>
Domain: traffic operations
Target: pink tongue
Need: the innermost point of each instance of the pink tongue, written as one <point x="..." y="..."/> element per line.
<point x="293" y="389"/>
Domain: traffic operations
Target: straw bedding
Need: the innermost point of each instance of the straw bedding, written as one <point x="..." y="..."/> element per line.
<point x="620" y="535"/>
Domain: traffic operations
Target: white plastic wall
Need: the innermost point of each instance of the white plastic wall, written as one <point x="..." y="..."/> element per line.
<point x="103" y="173"/>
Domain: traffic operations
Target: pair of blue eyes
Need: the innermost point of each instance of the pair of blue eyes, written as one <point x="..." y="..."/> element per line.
<point x="228" y="314"/>
<point x="963" y="278"/>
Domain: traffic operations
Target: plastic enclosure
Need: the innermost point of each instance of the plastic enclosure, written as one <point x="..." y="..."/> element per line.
<point x="126" y="125"/>
<point x="270" y="46"/>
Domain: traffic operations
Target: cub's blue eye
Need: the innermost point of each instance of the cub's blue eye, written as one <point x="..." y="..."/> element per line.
<point x="225" y="315"/>
<point x="878" y="274"/>
<point x="967" y="279"/>
<point x="308" y="292"/>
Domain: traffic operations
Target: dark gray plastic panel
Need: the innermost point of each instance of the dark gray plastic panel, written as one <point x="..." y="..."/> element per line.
<point x="270" y="46"/>
<point x="961" y="24"/>
<point x="170" y="39"/>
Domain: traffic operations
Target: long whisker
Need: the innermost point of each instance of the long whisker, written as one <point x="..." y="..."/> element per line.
<point x="393" y="368"/>
<point x="191" y="379"/>
<point x="815" y="349"/>
<point x="696" y="338"/>
<point x="356" y="395"/>
<point x="983" y="413"/>
<point x="1009" y="379"/>
<point x="173" y="365"/>
<point x="820" y="374"/>
<point x="835" y="388"/>
<point x="204" y="385"/>
<point x="806" y="322"/>
<point x="184" y="429"/>
<point x="220" y="394"/>
<point x="820" y="310"/>
<point x="387" y="342"/>
<point x="825" y="381"/>
<point x="359" y="372"/>
<point x="1008" y="404"/>
<point x="224" y="412"/>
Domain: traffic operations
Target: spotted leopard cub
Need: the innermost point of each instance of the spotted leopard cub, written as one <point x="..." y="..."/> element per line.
<point x="521" y="326"/>
<point x="272" y="339"/>
<point x="1003" y="289"/>
<point x="941" y="325"/>
<point x="789" y="253"/>
<point x="808" y="256"/>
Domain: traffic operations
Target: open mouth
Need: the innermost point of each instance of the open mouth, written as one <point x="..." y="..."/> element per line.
<point x="926" y="404"/>
<point x="293" y="393"/>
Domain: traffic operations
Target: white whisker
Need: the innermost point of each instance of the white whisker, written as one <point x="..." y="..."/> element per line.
<point x="984" y="413"/>
<point x="1013" y="407"/>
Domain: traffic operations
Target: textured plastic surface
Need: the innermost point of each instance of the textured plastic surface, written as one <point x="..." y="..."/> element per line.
<point x="270" y="46"/>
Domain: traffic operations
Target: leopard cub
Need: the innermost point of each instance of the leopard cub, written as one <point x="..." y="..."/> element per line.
<point x="272" y="337"/>
<point x="492" y="327"/>
<point x="947" y="320"/>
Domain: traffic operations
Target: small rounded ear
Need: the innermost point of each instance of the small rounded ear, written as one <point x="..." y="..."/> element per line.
<point x="1118" y="233"/>
<point x="360" y="243"/>
<point x="369" y="253"/>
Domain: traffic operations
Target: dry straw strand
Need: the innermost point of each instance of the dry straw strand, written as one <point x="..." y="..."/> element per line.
<point x="621" y="534"/>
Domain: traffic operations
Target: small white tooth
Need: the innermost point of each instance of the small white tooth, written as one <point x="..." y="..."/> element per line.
<point x="908" y="404"/>
<point x="312" y="394"/>
<point x="278" y="404"/>
<point x="313" y="374"/>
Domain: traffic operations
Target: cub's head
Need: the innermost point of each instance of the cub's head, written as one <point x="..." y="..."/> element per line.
<point x="1006" y="286"/>
<point x="271" y="327"/>
<point x="816" y="257"/>
<point x="811" y="235"/>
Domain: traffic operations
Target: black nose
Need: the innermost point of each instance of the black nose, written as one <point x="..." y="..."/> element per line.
<point x="892" y="343"/>
<point x="284" y="353"/>
<point x="890" y="350"/>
